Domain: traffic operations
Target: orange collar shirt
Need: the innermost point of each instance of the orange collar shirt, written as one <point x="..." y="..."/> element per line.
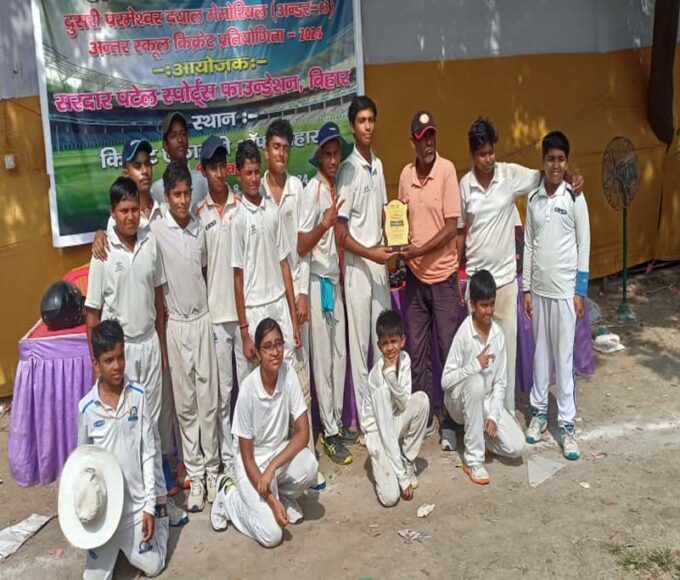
<point x="430" y="203"/>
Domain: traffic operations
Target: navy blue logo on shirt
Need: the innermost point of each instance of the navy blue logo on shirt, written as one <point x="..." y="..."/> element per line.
<point x="133" y="414"/>
<point x="99" y="423"/>
<point x="210" y="225"/>
<point x="561" y="210"/>
<point x="119" y="267"/>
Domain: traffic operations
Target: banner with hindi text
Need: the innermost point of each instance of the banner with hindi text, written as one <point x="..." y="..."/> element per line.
<point x="111" y="70"/>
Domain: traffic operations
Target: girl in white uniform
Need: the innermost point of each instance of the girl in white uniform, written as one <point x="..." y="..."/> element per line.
<point x="273" y="468"/>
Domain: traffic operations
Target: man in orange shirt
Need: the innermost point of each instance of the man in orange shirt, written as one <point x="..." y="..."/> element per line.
<point x="429" y="186"/>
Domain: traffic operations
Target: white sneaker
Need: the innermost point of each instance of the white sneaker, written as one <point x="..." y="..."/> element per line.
<point x="177" y="516"/>
<point x="229" y="470"/>
<point x="567" y="437"/>
<point x="211" y="487"/>
<point x="196" y="500"/>
<point x="478" y="474"/>
<point x="293" y="509"/>
<point x="449" y="440"/>
<point x="410" y="469"/>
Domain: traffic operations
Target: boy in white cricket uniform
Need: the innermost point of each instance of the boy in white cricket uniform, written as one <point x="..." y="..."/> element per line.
<point x="216" y="213"/>
<point x="393" y="419"/>
<point x="474" y="383"/>
<point x="127" y="287"/>
<point x="174" y="131"/>
<point x="191" y="351"/>
<point x="486" y="229"/>
<point x="115" y="416"/>
<point x="286" y="192"/>
<point x="359" y="233"/>
<point x="136" y="158"/>
<point x="555" y="285"/>
<point x="263" y="285"/>
<point x="273" y="467"/>
<point x="318" y="215"/>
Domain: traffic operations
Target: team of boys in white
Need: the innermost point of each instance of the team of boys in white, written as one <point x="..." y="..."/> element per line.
<point x="203" y="332"/>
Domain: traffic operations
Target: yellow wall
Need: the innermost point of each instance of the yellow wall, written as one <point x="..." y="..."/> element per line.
<point x="591" y="97"/>
<point x="28" y="261"/>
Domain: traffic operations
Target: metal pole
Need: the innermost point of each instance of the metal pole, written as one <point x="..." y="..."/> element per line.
<point x="624" y="312"/>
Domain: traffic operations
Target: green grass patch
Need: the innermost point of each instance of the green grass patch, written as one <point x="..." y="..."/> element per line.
<point x="653" y="561"/>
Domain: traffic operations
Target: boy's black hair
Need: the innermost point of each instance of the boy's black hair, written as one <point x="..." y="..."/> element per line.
<point x="359" y="103"/>
<point x="247" y="151"/>
<point x="389" y="323"/>
<point x="123" y="188"/>
<point x="482" y="132"/>
<point x="279" y="128"/>
<point x="264" y="328"/>
<point x="105" y="336"/>
<point x="174" y="173"/>
<point x="555" y="140"/>
<point x="482" y="286"/>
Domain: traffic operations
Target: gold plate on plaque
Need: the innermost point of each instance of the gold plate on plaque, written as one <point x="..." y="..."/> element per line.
<point x="396" y="224"/>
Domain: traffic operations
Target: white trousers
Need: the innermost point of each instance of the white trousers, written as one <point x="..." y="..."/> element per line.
<point x="506" y="317"/>
<point x="279" y="311"/>
<point x="101" y="561"/>
<point x="227" y="338"/>
<point x="410" y="426"/>
<point x="302" y="370"/>
<point x="329" y="356"/>
<point x="367" y="295"/>
<point x="193" y="365"/>
<point x="554" y="325"/>
<point x="467" y="404"/>
<point x="143" y="366"/>
<point x="251" y="515"/>
<point x="505" y="314"/>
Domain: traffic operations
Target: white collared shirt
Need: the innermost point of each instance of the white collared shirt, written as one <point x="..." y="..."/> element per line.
<point x="127" y="433"/>
<point x="258" y="244"/>
<point x="184" y="256"/>
<point x="383" y="397"/>
<point x="462" y="362"/>
<point x="316" y="199"/>
<point x="289" y="208"/>
<point x="362" y="186"/>
<point x="123" y="287"/>
<point x="199" y="189"/>
<point x="217" y="227"/>
<point x="266" y="418"/>
<point x="556" y="242"/>
<point x="490" y="216"/>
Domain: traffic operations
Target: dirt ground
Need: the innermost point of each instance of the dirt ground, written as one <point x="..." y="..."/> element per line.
<point x="613" y="514"/>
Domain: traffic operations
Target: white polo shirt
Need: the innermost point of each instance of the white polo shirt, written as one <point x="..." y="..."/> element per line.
<point x="288" y="208"/>
<point x="556" y="242"/>
<point x="362" y="186"/>
<point x="490" y="216"/>
<point x="217" y="224"/>
<point x="123" y="287"/>
<point x="199" y="189"/>
<point x="266" y="418"/>
<point x="258" y="244"/>
<point x="316" y="199"/>
<point x="184" y="256"/>
<point x="127" y="433"/>
<point x="462" y="362"/>
<point x="383" y="397"/>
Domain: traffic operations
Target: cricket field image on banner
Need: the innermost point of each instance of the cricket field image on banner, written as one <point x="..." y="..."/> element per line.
<point x="111" y="71"/>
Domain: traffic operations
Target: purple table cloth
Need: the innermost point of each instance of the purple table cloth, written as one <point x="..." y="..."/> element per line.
<point x="52" y="376"/>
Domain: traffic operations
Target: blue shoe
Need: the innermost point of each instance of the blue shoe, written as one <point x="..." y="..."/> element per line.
<point x="320" y="484"/>
<point x="538" y="425"/>
<point x="567" y="438"/>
